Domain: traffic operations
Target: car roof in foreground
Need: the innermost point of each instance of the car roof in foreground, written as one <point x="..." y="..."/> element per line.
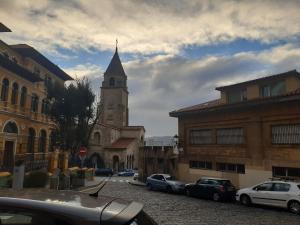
<point x="77" y="205"/>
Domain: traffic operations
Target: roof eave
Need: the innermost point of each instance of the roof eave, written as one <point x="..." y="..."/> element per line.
<point x="236" y="105"/>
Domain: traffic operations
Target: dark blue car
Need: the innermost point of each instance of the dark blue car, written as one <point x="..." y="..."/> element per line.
<point x="104" y="172"/>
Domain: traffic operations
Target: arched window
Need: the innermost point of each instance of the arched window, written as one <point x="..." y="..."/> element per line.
<point x="30" y="140"/>
<point x="34" y="103"/>
<point x="112" y="82"/>
<point x="52" y="141"/>
<point x="11" y="127"/>
<point x="14" y="93"/>
<point x="97" y="138"/>
<point x="23" y="96"/>
<point x="45" y="107"/>
<point x="42" y="141"/>
<point x="4" y="89"/>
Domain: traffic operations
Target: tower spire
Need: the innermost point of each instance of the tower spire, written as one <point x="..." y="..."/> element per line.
<point x="116" y="44"/>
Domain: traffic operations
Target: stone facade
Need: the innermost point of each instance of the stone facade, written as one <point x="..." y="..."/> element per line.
<point x="249" y="140"/>
<point x="113" y="143"/>
<point x="26" y="131"/>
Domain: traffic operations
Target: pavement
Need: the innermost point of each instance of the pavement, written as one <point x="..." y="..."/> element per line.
<point x="171" y="209"/>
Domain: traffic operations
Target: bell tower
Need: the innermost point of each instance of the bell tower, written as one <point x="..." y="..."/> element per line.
<point x="114" y="94"/>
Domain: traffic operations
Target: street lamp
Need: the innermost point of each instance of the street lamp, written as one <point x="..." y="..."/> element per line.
<point x="177" y="146"/>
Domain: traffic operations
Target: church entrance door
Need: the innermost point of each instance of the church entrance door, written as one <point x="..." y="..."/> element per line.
<point x="116" y="163"/>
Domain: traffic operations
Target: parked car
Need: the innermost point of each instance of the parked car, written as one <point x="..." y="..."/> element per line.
<point x="126" y="173"/>
<point x="136" y="176"/>
<point x="104" y="172"/>
<point x="285" y="194"/>
<point x="164" y="182"/>
<point x="217" y="189"/>
<point x="69" y="208"/>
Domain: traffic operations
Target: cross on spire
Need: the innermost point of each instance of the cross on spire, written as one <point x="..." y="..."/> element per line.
<point x="116" y="44"/>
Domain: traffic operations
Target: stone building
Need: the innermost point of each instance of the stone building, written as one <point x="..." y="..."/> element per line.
<point x="159" y="155"/>
<point x="26" y="131"/>
<point x="250" y="134"/>
<point x="115" y="144"/>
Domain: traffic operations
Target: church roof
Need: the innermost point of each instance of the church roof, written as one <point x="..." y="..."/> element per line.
<point x="115" y="66"/>
<point x="122" y="143"/>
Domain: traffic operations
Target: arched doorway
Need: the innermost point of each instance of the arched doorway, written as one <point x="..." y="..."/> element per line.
<point x="10" y="131"/>
<point x="116" y="163"/>
<point x="96" y="161"/>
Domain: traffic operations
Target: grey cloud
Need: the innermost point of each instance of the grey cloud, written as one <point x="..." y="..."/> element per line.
<point x="147" y="26"/>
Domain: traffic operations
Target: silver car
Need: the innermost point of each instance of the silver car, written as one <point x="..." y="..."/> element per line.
<point x="164" y="182"/>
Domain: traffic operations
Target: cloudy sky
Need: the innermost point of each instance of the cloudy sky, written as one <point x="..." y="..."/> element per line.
<point x="175" y="52"/>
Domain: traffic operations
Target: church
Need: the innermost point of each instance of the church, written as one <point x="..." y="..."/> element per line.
<point x="113" y="143"/>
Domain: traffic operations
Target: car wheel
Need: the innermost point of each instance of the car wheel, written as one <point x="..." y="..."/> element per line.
<point x="294" y="207"/>
<point x="216" y="197"/>
<point x="169" y="189"/>
<point x="245" y="200"/>
<point x="188" y="193"/>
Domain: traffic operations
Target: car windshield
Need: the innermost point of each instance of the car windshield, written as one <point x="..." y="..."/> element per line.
<point x="169" y="178"/>
<point x="224" y="182"/>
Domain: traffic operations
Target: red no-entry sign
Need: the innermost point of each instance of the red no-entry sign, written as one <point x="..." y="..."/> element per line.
<point x="82" y="151"/>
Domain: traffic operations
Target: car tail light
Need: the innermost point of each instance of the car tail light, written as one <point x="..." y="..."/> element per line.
<point x="222" y="189"/>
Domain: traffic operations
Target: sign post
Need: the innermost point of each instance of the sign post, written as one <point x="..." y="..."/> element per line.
<point x="82" y="155"/>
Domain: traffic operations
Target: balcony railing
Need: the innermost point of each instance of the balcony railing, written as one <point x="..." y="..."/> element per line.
<point x="24" y="111"/>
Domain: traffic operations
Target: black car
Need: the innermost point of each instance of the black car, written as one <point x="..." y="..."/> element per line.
<point x="69" y="208"/>
<point x="104" y="172"/>
<point x="212" y="188"/>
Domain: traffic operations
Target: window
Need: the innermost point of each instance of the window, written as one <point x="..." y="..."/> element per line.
<point x="198" y="137"/>
<point x="45" y="107"/>
<point x="112" y="82"/>
<point x="273" y="89"/>
<point x="30" y="217"/>
<point x="11" y="127"/>
<point x="4" y="89"/>
<point x="237" y="96"/>
<point x="286" y="134"/>
<point x="200" y="165"/>
<point x="23" y="96"/>
<point x="286" y="172"/>
<point x="230" y="167"/>
<point x="14" y="94"/>
<point x="281" y="187"/>
<point x="30" y="140"/>
<point x="265" y="91"/>
<point x="34" y="103"/>
<point x="264" y="187"/>
<point x="97" y="138"/>
<point x="42" y="141"/>
<point x="230" y="136"/>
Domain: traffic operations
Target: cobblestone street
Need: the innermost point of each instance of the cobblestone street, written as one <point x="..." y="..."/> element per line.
<point x="171" y="209"/>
